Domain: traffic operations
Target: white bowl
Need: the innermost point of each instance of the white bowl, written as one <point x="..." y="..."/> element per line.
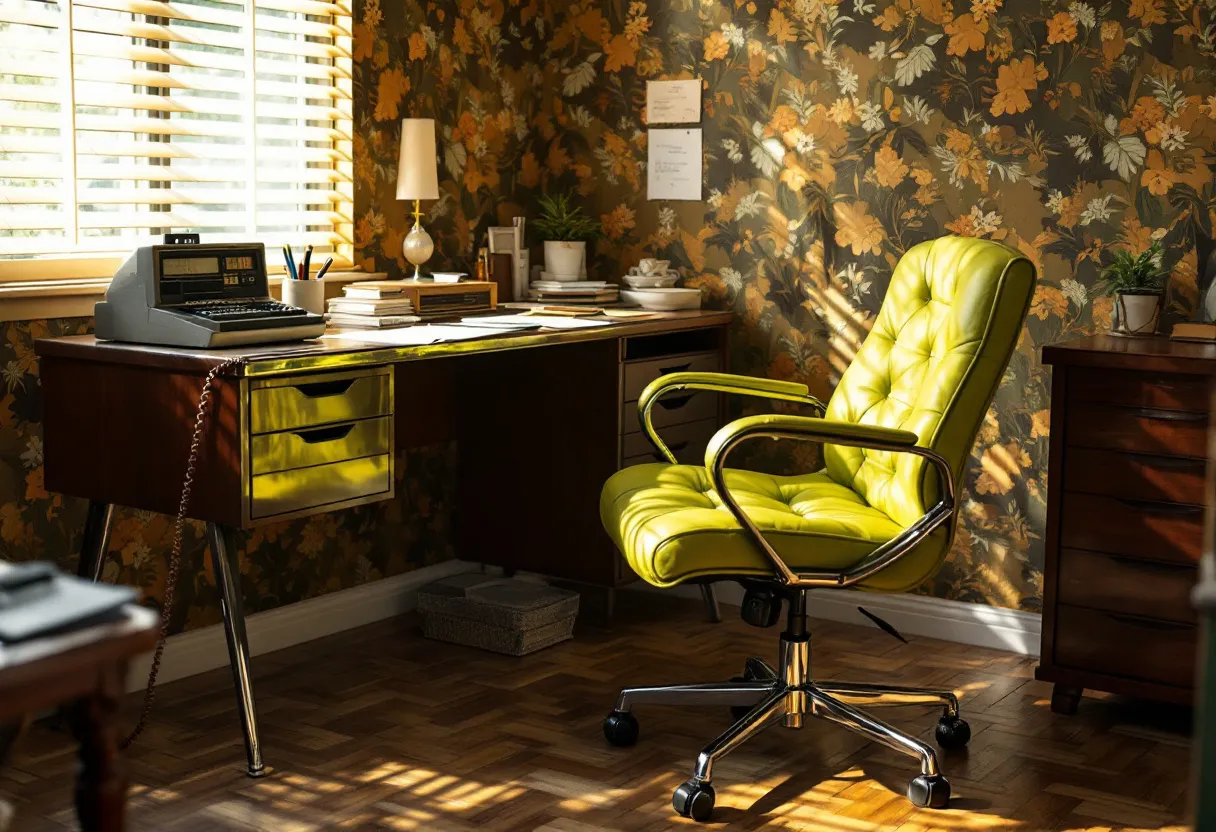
<point x="663" y="299"/>
<point x="562" y="278"/>
<point x="658" y="281"/>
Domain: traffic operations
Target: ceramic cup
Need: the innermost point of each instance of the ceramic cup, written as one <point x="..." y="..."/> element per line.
<point x="305" y="294"/>
<point x="649" y="265"/>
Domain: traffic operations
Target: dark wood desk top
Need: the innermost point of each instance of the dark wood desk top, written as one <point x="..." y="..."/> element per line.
<point x="1152" y="354"/>
<point x="270" y="359"/>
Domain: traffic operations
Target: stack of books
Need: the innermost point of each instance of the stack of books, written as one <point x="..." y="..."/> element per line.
<point x="372" y="304"/>
<point x="570" y="292"/>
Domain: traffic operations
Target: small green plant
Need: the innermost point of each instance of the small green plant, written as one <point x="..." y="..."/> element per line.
<point x="561" y="221"/>
<point x="1133" y="274"/>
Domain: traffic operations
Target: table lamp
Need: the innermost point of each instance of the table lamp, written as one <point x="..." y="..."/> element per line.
<point x="418" y="179"/>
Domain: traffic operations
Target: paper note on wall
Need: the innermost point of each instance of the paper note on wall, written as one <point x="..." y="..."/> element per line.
<point x="673" y="102"/>
<point x="673" y="169"/>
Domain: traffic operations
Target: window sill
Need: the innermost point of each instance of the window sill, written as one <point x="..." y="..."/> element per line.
<point x="46" y="300"/>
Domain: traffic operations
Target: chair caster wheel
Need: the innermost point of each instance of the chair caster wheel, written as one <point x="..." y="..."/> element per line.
<point x="694" y="799"/>
<point x="621" y="729"/>
<point x="929" y="791"/>
<point x="953" y="733"/>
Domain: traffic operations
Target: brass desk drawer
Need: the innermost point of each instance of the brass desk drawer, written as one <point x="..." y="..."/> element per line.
<point x="672" y="410"/>
<point x="306" y="447"/>
<point x="686" y="441"/>
<point x="304" y="401"/>
<point x="640" y="373"/>
<point x="321" y="486"/>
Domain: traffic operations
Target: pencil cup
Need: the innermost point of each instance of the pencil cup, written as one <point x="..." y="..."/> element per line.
<point x="306" y="294"/>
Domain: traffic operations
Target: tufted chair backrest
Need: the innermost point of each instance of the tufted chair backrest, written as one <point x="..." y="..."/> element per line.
<point x="930" y="365"/>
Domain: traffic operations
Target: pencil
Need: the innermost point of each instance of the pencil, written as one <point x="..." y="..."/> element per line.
<point x="307" y="258"/>
<point x="289" y="260"/>
<point x="329" y="261"/>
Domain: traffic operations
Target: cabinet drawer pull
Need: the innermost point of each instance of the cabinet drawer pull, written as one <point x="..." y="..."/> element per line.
<point x="321" y="389"/>
<point x="674" y="447"/>
<point x="675" y="402"/>
<point x="1151" y="565"/>
<point x="1149" y="623"/>
<point x="327" y="434"/>
<point x="1153" y="507"/>
<point x="679" y="368"/>
<point x="1168" y="415"/>
<point x="1172" y="462"/>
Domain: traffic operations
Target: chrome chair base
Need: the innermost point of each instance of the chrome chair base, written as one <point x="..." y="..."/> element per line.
<point x="786" y="695"/>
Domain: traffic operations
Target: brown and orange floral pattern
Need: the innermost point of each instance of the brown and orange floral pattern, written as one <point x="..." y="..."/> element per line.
<point x="837" y="134"/>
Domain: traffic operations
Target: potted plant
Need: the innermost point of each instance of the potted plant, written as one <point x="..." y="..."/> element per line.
<point x="1136" y="283"/>
<point x="565" y="230"/>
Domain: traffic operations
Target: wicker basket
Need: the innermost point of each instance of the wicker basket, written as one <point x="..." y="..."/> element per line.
<point x="499" y="614"/>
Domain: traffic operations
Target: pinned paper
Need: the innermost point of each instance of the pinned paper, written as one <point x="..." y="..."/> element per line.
<point x="673" y="102"/>
<point x="673" y="168"/>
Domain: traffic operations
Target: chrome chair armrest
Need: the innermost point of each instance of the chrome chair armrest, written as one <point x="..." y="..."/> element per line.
<point x="765" y="388"/>
<point x="778" y="426"/>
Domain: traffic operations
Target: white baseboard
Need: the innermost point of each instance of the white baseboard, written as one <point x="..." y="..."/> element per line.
<point x="975" y="624"/>
<point x="197" y="651"/>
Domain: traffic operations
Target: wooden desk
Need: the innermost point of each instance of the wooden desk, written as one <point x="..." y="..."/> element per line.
<point x="84" y="670"/>
<point x="1130" y="421"/>
<point x="541" y="419"/>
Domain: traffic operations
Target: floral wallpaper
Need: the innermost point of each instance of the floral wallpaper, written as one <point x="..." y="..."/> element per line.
<point x="279" y="563"/>
<point x="837" y="134"/>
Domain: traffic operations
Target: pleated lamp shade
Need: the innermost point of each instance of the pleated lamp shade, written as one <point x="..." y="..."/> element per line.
<point x="417" y="169"/>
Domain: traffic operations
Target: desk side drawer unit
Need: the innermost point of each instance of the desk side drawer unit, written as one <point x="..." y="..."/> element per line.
<point x="686" y="421"/>
<point x="1129" y="516"/>
<point x="319" y="441"/>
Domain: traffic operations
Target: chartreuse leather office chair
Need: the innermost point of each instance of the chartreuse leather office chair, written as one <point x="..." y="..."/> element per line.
<point x="880" y="516"/>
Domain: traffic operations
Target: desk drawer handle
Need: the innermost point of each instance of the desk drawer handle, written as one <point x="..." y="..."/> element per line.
<point x="1151" y="565"/>
<point x="1153" y="507"/>
<point x="1149" y="623"/>
<point x="327" y="434"/>
<point x="1168" y="415"/>
<point x="679" y="368"/>
<point x="1173" y="462"/>
<point x="674" y="447"/>
<point x="675" y="402"/>
<point x="321" y="389"/>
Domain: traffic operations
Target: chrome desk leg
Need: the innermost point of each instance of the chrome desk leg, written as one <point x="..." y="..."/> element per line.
<point x="711" y="603"/>
<point x="836" y="711"/>
<point x="95" y="540"/>
<point x="222" y="557"/>
<point x="714" y="693"/>
<point x="770" y="708"/>
<point x="873" y="696"/>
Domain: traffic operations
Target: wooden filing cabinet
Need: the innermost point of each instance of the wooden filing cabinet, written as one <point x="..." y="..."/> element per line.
<point x="686" y="421"/>
<point x="1125" y="516"/>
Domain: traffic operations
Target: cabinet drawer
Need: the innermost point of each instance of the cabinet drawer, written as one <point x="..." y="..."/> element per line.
<point x="1164" y="392"/>
<point x="283" y="492"/>
<point x="1139" y="476"/>
<point x="320" y="398"/>
<point x="1142" y="429"/>
<point x="1155" y="531"/>
<point x="686" y="441"/>
<point x="1124" y="645"/>
<point x="640" y="373"/>
<point x="1130" y="585"/>
<point x="318" y="446"/>
<point x="672" y="410"/>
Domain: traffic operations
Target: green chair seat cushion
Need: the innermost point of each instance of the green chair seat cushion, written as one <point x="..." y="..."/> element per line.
<point x="671" y="526"/>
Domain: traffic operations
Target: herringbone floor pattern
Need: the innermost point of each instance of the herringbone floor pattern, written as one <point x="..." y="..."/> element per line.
<point x="378" y="728"/>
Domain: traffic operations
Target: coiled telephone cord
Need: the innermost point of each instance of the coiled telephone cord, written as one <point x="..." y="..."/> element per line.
<point x="175" y="552"/>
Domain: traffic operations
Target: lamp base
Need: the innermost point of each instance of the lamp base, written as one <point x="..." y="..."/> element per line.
<point x="418" y="246"/>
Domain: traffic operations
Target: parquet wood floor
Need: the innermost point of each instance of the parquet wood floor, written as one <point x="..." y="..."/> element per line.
<point x="378" y="728"/>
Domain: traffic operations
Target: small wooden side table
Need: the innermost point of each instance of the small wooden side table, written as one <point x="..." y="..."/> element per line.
<point x="84" y="671"/>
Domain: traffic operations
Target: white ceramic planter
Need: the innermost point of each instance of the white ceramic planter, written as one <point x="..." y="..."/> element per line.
<point x="565" y="260"/>
<point x="1137" y="314"/>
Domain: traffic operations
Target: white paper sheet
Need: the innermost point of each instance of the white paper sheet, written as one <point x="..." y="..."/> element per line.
<point x="414" y="336"/>
<point x="674" y="165"/>
<point x="673" y="102"/>
<point x="549" y="321"/>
